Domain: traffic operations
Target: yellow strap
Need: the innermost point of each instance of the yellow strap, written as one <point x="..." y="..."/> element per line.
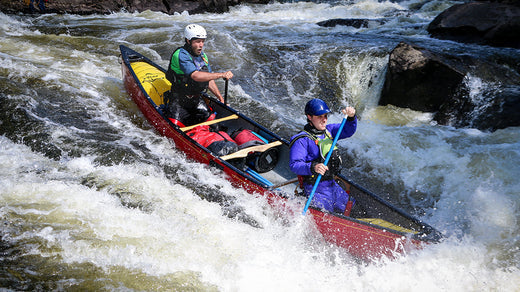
<point x="386" y="224"/>
<point x="244" y="152"/>
<point x="231" y="117"/>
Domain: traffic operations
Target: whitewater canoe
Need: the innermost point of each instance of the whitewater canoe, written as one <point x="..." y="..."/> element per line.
<point x="374" y="228"/>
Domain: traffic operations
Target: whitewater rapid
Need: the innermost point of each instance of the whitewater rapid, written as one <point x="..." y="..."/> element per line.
<point x="92" y="198"/>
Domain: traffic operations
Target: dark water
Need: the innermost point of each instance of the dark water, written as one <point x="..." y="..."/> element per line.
<point x="92" y="198"/>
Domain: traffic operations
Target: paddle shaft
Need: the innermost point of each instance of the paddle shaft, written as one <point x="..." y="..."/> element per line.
<point x="291" y="181"/>
<point x="226" y="90"/>
<point x="329" y="154"/>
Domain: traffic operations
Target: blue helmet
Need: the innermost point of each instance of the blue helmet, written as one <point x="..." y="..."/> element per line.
<point x="316" y="107"/>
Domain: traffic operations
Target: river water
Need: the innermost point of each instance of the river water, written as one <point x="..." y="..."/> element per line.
<point x="92" y="198"/>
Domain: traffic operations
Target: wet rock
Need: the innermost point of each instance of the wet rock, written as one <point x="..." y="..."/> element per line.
<point x="353" y="22"/>
<point x="425" y="81"/>
<point x="418" y="79"/>
<point x="489" y="23"/>
<point x="492" y="109"/>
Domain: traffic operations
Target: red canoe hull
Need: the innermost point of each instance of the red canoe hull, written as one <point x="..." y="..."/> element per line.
<point x="362" y="240"/>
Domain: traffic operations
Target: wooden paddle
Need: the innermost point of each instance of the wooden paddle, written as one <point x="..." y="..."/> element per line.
<point x="244" y="152"/>
<point x="291" y="181"/>
<point x="231" y="117"/>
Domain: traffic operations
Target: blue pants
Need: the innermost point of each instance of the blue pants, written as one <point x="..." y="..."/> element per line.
<point x="329" y="196"/>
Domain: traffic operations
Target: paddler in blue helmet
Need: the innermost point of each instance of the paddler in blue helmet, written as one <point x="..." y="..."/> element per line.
<point x="309" y="149"/>
<point x="190" y="74"/>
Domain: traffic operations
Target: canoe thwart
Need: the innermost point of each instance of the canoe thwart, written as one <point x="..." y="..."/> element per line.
<point x="244" y="152"/>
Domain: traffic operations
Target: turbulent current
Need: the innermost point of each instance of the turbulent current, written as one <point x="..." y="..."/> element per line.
<point x="91" y="198"/>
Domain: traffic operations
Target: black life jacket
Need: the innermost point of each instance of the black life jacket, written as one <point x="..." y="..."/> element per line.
<point x="334" y="163"/>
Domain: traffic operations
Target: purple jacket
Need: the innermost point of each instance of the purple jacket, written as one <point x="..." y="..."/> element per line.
<point x="304" y="151"/>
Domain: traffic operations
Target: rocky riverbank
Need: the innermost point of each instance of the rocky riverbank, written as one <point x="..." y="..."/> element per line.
<point x="84" y="7"/>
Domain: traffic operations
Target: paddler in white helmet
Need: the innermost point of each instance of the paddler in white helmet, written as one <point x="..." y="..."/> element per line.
<point x="190" y="74"/>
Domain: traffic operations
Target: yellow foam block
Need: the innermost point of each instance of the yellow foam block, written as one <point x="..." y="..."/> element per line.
<point x="153" y="81"/>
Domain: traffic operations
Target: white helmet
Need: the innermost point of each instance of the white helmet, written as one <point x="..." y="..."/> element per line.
<point x="194" y="31"/>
